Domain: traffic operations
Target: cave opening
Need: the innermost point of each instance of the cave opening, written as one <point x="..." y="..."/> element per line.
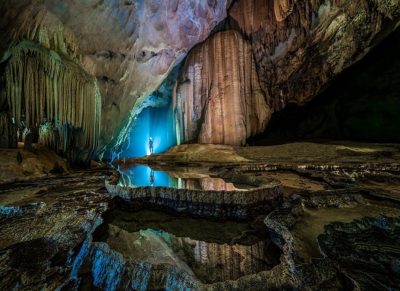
<point x="156" y="123"/>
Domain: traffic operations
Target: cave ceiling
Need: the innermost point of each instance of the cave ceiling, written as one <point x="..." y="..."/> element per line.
<point x="131" y="46"/>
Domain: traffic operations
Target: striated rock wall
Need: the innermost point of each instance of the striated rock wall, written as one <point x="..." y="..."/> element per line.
<point x="8" y="132"/>
<point x="42" y="85"/>
<point x="298" y="48"/>
<point x="218" y="98"/>
<point x="220" y="204"/>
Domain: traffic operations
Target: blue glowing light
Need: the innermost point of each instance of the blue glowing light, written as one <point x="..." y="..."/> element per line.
<point x="155" y="123"/>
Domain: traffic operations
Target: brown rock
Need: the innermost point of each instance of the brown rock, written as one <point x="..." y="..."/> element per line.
<point x="299" y="46"/>
<point x="218" y="98"/>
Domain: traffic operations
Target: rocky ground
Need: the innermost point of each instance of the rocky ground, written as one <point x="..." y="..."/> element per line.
<point x="334" y="226"/>
<point x="44" y="222"/>
<point x="20" y="165"/>
<point x="300" y="153"/>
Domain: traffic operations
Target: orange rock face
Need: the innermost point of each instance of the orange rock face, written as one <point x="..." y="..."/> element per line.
<point x="300" y="46"/>
<point x="218" y="98"/>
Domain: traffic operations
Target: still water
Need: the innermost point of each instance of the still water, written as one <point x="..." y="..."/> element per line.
<point x="212" y="251"/>
<point x="144" y="176"/>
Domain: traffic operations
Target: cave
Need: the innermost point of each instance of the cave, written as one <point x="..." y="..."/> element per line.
<point x="200" y="145"/>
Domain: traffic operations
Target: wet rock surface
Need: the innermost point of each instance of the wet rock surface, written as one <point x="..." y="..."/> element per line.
<point x="367" y="251"/>
<point x="68" y="232"/>
<point x="44" y="227"/>
<point x="219" y="203"/>
<point x="205" y="251"/>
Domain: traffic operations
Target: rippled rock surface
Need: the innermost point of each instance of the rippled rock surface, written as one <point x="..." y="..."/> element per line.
<point x="43" y="225"/>
<point x="366" y="250"/>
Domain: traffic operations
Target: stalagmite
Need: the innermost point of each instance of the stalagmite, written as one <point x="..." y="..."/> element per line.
<point x="46" y="86"/>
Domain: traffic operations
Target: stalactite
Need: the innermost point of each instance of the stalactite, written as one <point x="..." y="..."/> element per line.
<point x="47" y="86"/>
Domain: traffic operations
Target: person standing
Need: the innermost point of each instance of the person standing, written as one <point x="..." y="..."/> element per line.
<point x="151" y="148"/>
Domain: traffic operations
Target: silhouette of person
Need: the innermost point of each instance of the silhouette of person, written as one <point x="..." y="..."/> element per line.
<point x="151" y="148"/>
<point x="152" y="179"/>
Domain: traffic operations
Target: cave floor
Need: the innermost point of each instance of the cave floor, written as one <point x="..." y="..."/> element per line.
<point x="66" y="231"/>
<point x="299" y="153"/>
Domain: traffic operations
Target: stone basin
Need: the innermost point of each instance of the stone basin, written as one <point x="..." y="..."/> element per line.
<point x="229" y="195"/>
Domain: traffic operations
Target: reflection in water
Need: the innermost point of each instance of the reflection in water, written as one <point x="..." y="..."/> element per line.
<point x="142" y="176"/>
<point x="212" y="262"/>
<point x="152" y="179"/>
<point x="211" y="251"/>
<point x="209" y="184"/>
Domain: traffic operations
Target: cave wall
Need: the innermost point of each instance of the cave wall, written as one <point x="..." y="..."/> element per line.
<point x="362" y="104"/>
<point x="8" y="132"/>
<point x="42" y="89"/>
<point x="218" y="98"/>
<point x="129" y="46"/>
<point x="298" y="47"/>
<point x="270" y="53"/>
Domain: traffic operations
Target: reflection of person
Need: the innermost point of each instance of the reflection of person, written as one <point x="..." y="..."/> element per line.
<point x="152" y="180"/>
<point x="151" y="148"/>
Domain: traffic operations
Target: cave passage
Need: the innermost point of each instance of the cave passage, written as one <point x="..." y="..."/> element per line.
<point x="155" y="123"/>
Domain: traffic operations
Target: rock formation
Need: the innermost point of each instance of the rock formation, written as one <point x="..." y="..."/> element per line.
<point x="298" y="48"/>
<point x="42" y="85"/>
<point x="154" y="259"/>
<point x="267" y="54"/>
<point x="40" y="234"/>
<point x="8" y="132"/>
<point x="211" y="203"/>
<point x="360" y="104"/>
<point x="367" y="250"/>
<point x="130" y="46"/>
<point x="51" y="235"/>
<point x="218" y="98"/>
